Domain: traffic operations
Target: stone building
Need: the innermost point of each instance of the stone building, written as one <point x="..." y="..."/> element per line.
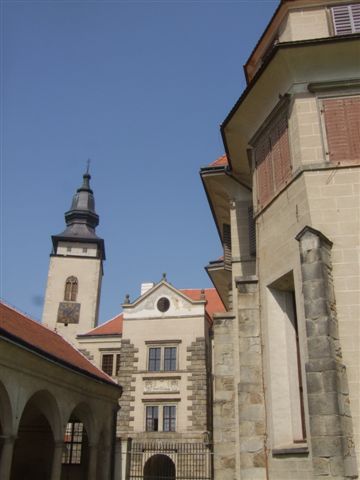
<point x="159" y="349"/>
<point x="285" y="199"/>
<point x="57" y="410"/>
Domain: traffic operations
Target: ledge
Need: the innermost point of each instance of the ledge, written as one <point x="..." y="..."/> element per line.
<point x="293" y="449"/>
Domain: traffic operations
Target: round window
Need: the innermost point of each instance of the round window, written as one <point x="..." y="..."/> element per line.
<point x="163" y="304"/>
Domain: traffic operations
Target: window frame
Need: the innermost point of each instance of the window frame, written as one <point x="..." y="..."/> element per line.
<point x="115" y="364"/>
<point x="350" y="12"/>
<point x="162" y="349"/>
<point x="72" y="453"/>
<point x="71" y="289"/>
<point x="161" y="417"/>
<point x="321" y="97"/>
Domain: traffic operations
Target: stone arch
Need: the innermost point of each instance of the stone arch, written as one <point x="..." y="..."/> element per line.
<point x="39" y="425"/>
<point x="6" y="412"/>
<point x="159" y="466"/>
<point x="79" y="435"/>
<point x="6" y="418"/>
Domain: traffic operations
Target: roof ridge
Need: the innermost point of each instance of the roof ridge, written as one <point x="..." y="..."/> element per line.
<point x="107" y="321"/>
<point x="17" y="310"/>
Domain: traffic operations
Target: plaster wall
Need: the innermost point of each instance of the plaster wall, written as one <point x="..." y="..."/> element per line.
<point x="83" y="249"/>
<point x="179" y="332"/>
<point x="93" y="348"/>
<point x="89" y="274"/>
<point x="305" y="24"/>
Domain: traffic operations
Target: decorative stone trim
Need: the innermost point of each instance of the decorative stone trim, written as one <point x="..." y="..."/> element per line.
<point x="327" y="391"/>
<point x="86" y="353"/>
<point x="198" y="385"/>
<point x="126" y="378"/>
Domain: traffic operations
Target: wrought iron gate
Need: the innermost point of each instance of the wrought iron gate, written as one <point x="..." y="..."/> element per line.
<point x="169" y="461"/>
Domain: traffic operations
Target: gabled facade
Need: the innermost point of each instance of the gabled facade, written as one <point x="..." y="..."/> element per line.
<point x="161" y="352"/>
<point x="285" y="199"/>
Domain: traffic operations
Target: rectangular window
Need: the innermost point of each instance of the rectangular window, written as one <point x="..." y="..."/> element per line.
<point x="73" y="443"/>
<point x="154" y="359"/>
<point x="170" y="358"/>
<point x="152" y="419"/>
<point x="169" y="418"/>
<point x="342" y="124"/>
<point x="110" y="363"/>
<point x="162" y="358"/>
<point x="107" y="361"/>
<point x="346" y="19"/>
<point x="272" y="159"/>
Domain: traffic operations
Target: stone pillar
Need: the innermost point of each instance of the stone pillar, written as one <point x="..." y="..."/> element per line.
<point x="93" y="450"/>
<point x="224" y="422"/>
<point x="250" y="387"/>
<point x="57" y="461"/>
<point x="127" y="377"/>
<point x="198" y="385"/>
<point x="6" y="457"/>
<point x="328" y="397"/>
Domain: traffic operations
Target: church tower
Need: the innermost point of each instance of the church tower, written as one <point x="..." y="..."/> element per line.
<point x="75" y="272"/>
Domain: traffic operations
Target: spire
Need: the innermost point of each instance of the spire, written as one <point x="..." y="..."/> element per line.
<point x="82" y="219"/>
<point x="82" y="210"/>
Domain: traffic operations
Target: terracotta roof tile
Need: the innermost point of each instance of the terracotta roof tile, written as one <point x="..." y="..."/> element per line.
<point x="114" y="326"/>
<point x="46" y="341"/>
<point x="220" y="161"/>
<point x="214" y="303"/>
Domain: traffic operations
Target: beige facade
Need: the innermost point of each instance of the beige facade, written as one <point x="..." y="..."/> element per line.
<point x="287" y="353"/>
<point x="164" y="343"/>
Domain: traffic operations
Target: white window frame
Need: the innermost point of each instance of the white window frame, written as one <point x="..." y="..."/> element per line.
<point x="162" y="347"/>
<point x="161" y="408"/>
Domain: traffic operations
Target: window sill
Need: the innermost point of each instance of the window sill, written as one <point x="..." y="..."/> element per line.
<point x="293" y="449"/>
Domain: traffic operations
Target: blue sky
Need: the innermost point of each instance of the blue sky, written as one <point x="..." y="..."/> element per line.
<point x="140" y="88"/>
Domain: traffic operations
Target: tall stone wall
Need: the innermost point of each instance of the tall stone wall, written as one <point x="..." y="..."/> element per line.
<point x="250" y="387"/>
<point x="224" y="421"/>
<point x="328" y="396"/>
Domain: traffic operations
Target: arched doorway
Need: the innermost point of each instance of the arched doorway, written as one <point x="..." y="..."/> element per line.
<point x="159" y="467"/>
<point x="34" y="446"/>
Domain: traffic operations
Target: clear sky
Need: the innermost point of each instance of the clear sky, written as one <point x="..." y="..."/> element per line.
<point x="140" y="87"/>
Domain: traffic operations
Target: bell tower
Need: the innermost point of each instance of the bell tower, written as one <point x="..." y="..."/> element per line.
<point x="76" y="268"/>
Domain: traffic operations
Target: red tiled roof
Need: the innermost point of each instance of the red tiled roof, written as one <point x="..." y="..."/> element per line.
<point x="214" y="303"/>
<point x="45" y="341"/>
<point x="113" y="326"/>
<point x="220" y="161"/>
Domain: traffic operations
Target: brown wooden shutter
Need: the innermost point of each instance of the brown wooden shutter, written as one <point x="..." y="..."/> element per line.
<point x="280" y="152"/>
<point x="265" y="183"/>
<point x="252" y="232"/>
<point x="272" y="159"/>
<point x="227" y="245"/>
<point x="342" y="124"/>
<point x="346" y="19"/>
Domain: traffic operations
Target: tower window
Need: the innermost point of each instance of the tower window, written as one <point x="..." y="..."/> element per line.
<point x="71" y="289"/>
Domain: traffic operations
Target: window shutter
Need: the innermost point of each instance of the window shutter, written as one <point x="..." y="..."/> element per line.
<point x="265" y="183"/>
<point x="252" y="232"/>
<point x="346" y="19"/>
<point x="280" y="152"/>
<point x="272" y="159"/>
<point x="227" y="244"/>
<point x="342" y="124"/>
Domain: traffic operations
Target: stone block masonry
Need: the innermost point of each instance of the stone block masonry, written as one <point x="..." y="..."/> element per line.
<point x="331" y="436"/>
<point x="198" y="385"/>
<point x="126" y="376"/>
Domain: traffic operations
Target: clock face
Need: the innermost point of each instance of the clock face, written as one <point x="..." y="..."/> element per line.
<point x="68" y="312"/>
